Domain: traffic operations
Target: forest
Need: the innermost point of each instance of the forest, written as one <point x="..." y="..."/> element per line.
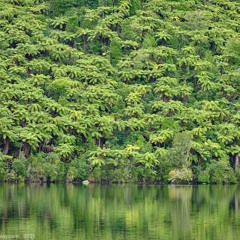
<point x="120" y="91"/>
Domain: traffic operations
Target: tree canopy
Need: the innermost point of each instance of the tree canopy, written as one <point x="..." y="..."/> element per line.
<point x="120" y="90"/>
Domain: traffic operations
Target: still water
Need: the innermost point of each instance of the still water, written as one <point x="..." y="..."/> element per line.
<point x="119" y="212"/>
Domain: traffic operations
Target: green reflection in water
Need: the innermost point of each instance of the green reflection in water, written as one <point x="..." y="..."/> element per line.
<point x="120" y="212"/>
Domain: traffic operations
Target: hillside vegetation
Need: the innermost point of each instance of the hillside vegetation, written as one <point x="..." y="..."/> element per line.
<point x="120" y="90"/>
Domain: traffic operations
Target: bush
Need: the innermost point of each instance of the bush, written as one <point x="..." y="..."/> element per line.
<point x="45" y="167"/>
<point x="78" y="170"/>
<point x="19" y="166"/>
<point x="2" y="174"/>
<point x="238" y="174"/>
<point x="184" y="175"/>
<point x="221" y="172"/>
<point x="118" y="175"/>
<point x="203" y="177"/>
<point x="145" y="174"/>
<point x="54" y="167"/>
<point x="2" y="170"/>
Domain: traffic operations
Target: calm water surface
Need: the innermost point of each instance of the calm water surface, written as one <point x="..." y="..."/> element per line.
<point x="119" y="212"/>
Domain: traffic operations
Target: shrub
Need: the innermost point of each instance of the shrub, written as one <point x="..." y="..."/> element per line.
<point x="238" y="174"/>
<point x="19" y="166"/>
<point x="77" y="170"/>
<point x="184" y="175"/>
<point x="221" y="172"/>
<point x="203" y="177"/>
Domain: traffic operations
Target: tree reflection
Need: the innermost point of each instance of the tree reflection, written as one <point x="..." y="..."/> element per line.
<point x="120" y="211"/>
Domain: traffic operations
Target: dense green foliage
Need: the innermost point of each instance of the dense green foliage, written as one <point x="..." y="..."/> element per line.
<point x="120" y="90"/>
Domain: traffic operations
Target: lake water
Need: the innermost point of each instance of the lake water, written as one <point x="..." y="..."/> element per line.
<point x="119" y="212"/>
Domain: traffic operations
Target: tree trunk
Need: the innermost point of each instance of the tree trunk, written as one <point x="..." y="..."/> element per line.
<point x="199" y="160"/>
<point x="84" y="42"/>
<point x="100" y="141"/>
<point x="26" y="149"/>
<point x="236" y="162"/>
<point x="5" y="146"/>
